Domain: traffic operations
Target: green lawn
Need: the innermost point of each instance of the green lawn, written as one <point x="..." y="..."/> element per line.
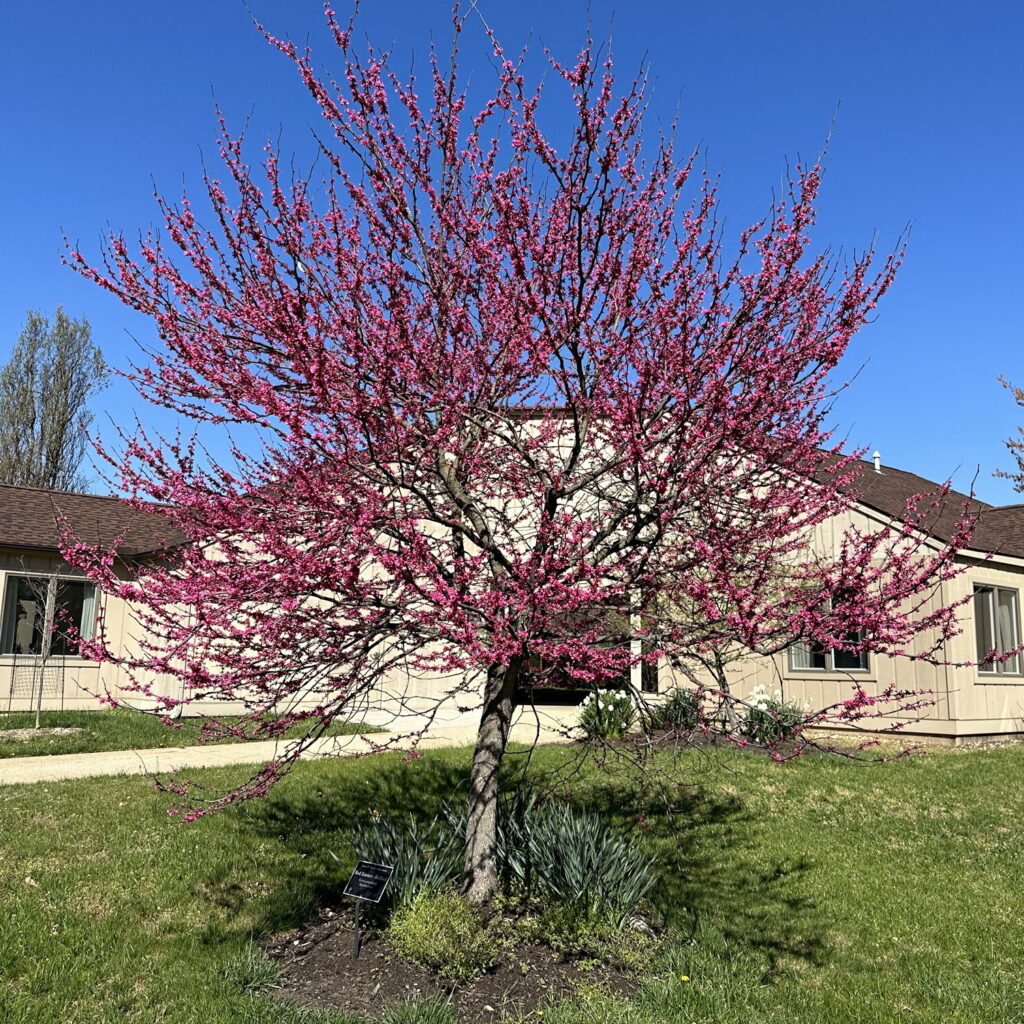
<point x="116" y="730"/>
<point x="818" y="892"/>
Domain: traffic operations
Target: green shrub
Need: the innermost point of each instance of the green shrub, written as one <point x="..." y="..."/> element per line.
<point x="425" y="857"/>
<point x="607" y="714"/>
<point x="682" y="709"/>
<point x="442" y="932"/>
<point x="770" y="719"/>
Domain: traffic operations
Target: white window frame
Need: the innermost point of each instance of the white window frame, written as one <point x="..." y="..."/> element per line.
<point x="1011" y="666"/>
<point x="829" y="666"/>
<point x="644" y="677"/>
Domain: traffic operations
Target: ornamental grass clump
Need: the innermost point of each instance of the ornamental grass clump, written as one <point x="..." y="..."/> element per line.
<point x="548" y="853"/>
<point x="251" y="971"/>
<point x="607" y="714"/>
<point x="769" y="718"/>
<point x="553" y="852"/>
<point x="431" y="1010"/>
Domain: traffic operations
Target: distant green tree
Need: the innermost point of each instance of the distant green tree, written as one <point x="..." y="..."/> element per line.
<point x="44" y="390"/>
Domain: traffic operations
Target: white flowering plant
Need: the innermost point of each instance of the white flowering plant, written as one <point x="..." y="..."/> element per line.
<point x="607" y="714"/>
<point x="770" y="718"/>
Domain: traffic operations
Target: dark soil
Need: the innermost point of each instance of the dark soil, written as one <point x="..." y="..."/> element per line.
<point x="322" y="973"/>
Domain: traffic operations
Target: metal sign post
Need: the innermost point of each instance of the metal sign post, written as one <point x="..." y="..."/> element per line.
<point x="368" y="882"/>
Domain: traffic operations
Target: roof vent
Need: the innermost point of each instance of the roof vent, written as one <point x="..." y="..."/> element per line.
<point x="877" y="457"/>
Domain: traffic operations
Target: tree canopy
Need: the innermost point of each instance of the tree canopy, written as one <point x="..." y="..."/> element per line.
<point x="45" y="388"/>
<point x="509" y="391"/>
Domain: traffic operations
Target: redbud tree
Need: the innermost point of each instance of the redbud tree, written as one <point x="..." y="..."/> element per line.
<point x="504" y="384"/>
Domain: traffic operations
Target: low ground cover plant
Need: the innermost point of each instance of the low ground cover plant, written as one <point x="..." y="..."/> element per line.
<point x="442" y="932"/>
<point x="593" y="939"/>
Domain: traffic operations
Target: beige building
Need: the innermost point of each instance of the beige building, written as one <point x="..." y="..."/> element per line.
<point x="47" y="605"/>
<point x="974" y="697"/>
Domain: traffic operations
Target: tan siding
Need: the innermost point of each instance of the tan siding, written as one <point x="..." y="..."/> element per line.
<point x="961" y="695"/>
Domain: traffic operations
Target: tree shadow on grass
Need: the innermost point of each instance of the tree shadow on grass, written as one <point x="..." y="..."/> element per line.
<point x="312" y="812"/>
<point x="710" y="870"/>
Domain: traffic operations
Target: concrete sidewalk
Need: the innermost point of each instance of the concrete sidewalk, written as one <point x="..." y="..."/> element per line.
<point x="549" y="726"/>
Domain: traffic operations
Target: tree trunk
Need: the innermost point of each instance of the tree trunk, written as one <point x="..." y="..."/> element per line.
<point x="480" y="873"/>
<point x="44" y="652"/>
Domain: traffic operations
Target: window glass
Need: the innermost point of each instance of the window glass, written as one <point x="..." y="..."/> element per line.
<point x="996" y="628"/>
<point x="808" y="656"/>
<point x="24" y="615"/>
<point x="847" y="660"/>
<point x="828" y="659"/>
<point x="648" y="678"/>
<point x="1007" y="604"/>
<point x="24" y="608"/>
<point x="984" y="625"/>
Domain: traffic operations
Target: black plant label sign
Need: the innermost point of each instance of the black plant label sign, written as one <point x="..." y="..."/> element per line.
<point x="368" y="881"/>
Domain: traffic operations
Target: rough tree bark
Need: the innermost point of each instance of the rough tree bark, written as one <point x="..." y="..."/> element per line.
<point x="480" y="874"/>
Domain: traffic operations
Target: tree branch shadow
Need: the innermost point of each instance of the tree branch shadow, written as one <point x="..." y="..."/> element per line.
<point x="712" y="872"/>
<point x="710" y="869"/>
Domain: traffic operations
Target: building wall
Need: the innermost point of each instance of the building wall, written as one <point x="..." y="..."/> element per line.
<point x="966" y="703"/>
<point x="983" y="702"/>
<point x="71" y="683"/>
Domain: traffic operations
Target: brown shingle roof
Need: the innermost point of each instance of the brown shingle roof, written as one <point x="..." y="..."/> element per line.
<point x="1000" y="529"/>
<point x="29" y="519"/>
<point x="28" y="516"/>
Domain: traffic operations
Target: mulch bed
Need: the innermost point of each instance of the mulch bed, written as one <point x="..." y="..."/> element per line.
<point x="321" y="973"/>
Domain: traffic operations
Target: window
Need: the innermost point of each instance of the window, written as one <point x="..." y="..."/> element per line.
<point x="23" y="628"/>
<point x="814" y="657"/>
<point x="996" y="629"/>
<point x="649" y="674"/>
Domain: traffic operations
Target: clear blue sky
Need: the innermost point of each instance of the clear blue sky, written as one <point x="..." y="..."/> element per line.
<point x="101" y="99"/>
